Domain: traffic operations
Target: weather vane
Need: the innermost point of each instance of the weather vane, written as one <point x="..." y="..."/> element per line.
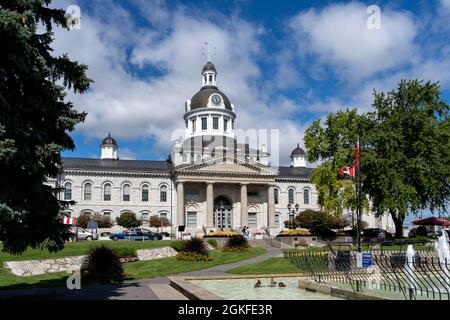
<point x="211" y="50"/>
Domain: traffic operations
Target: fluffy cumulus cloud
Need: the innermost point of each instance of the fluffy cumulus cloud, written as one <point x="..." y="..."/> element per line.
<point x="341" y="39"/>
<point x="146" y="62"/>
<point x="143" y="75"/>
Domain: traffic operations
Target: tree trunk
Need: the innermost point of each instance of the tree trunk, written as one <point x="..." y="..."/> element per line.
<point x="398" y="222"/>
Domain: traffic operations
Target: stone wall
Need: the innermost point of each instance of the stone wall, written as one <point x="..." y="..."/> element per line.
<point x="69" y="264"/>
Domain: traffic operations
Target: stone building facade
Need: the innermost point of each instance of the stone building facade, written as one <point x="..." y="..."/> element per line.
<point x="209" y="181"/>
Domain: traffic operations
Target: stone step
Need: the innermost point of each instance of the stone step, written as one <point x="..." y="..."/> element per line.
<point x="165" y="292"/>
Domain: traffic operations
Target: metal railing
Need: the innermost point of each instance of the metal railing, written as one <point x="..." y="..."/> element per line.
<point x="422" y="275"/>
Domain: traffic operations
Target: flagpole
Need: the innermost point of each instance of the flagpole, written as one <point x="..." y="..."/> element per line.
<point x="358" y="191"/>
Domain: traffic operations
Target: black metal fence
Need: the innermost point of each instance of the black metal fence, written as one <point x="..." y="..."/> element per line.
<point x="420" y="276"/>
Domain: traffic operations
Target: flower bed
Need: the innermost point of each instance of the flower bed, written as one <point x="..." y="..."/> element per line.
<point x="222" y="234"/>
<point x="294" y="233"/>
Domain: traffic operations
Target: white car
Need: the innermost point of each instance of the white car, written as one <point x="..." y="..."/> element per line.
<point x="83" y="234"/>
<point x="105" y="236"/>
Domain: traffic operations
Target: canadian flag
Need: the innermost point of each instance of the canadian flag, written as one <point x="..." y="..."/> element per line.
<point x="68" y="220"/>
<point x="347" y="170"/>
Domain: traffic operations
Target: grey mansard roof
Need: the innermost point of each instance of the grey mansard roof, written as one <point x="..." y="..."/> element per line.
<point x="157" y="166"/>
<point x="161" y="166"/>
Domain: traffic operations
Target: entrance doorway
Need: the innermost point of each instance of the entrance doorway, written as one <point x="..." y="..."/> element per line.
<point x="223" y="213"/>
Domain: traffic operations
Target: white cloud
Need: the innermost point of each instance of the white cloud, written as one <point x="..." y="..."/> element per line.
<point x="130" y="106"/>
<point x="339" y="37"/>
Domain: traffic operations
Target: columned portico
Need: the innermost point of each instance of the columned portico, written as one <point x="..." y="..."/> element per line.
<point x="180" y="204"/>
<point x="271" y="206"/>
<point x="209" y="204"/>
<point x="244" y="205"/>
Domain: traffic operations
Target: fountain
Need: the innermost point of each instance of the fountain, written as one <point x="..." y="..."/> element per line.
<point x="443" y="251"/>
<point x="410" y="270"/>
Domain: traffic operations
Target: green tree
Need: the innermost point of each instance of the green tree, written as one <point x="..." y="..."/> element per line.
<point x="333" y="144"/>
<point x="407" y="167"/>
<point x="35" y="119"/>
<point x="128" y="220"/>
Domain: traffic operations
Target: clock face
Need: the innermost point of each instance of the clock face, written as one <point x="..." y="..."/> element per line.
<point x="216" y="99"/>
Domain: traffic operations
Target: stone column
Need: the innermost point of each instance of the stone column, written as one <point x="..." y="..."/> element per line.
<point x="209" y="204"/>
<point x="244" y="209"/>
<point x="271" y="206"/>
<point x="180" y="204"/>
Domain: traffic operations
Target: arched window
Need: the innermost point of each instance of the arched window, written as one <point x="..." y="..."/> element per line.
<point x="145" y="216"/>
<point x="252" y="217"/>
<point x="163" y="193"/>
<point x="276" y="195"/>
<point x="291" y="199"/>
<point x="68" y="191"/>
<point x="144" y="193"/>
<point x="107" y="214"/>
<point x="87" y="191"/>
<point x="126" y="192"/>
<point x="107" y="192"/>
<point x="306" y="196"/>
<point x="191" y="219"/>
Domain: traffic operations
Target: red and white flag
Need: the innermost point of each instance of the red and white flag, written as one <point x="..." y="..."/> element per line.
<point x="347" y="170"/>
<point x="68" y="220"/>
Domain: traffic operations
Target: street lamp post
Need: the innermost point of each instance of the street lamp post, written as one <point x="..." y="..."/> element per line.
<point x="292" y="212"/>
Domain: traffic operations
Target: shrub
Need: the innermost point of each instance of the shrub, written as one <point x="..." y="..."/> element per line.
<point x="212" y="242"/>
<point x="128" y="220"/>
<point x="195" y="245"/>
<point x="102" y="222"/>
<point x="102" y="264"/>
<point x="194" y="249"/>
<point x="192" y="256"/>
<point x="178" y="245"/>
<point x="83" y="220"/>
<point x="236" y="243"/>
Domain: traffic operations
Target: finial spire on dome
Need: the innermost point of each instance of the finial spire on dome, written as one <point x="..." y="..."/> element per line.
<point x="210" y="53"/>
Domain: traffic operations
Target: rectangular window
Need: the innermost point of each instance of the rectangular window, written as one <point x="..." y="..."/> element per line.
<point x="252" y="220"/>
<point x="67" y="194"/>
<point x="192" y="192"/>
<point x="145" y="195"/>
<point x="225" y="125"/>
<point x="194" y="125"/>
<point x="277" y="220"/>
<point x="204" y="123"/>
<point x="276" y="196"/>
<point x="192" y="219"/>
<point x="163" y="196"/>
<point x="215" y="123"/>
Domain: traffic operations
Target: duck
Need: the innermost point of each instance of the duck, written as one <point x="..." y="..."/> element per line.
<point x="273" y="283"/>
<point x="257" y="284"/>
<point x="281" y="284"/>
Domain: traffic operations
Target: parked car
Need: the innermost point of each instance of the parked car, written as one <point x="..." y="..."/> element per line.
<point x="83" y="234"/>
<point x="421" y="231"/>
<point x="369" y="234"/>
<point x="105" y="236"/>
<point x="136" y="234"/>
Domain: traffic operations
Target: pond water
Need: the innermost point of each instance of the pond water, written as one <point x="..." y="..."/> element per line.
<point x="242" y="289"/>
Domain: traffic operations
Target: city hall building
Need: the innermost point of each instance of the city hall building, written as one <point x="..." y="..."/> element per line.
<point x="209" y="181"/>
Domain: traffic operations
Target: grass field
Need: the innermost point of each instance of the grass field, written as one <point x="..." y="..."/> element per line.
<point x="137" y="270"/>
<point x="271" y="265"/>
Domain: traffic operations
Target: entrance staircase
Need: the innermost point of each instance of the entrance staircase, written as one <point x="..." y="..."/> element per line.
<point x="265" y="243"/>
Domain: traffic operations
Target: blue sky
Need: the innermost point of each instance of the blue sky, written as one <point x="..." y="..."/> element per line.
<point x="282" y="63"/>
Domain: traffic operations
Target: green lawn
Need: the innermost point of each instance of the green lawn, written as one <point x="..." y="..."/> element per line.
<point x="271" y="265"/>
<point x="137" y="270"/>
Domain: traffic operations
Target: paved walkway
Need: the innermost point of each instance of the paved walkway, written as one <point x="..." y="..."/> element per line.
<point x="145" y="289"/>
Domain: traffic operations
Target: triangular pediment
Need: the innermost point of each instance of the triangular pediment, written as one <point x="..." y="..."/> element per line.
<point x="227" y="164"/>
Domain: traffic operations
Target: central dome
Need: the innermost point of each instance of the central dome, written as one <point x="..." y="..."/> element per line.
<point x="201" y="98"/>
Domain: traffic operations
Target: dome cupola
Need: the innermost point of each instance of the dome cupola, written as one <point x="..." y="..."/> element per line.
<point x="298" y="157"/>
<point x="109" y="148"/>
<point x="209" y="112"/>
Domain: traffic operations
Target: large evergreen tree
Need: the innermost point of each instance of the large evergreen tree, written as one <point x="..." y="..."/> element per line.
<point x="35" y="120"/>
